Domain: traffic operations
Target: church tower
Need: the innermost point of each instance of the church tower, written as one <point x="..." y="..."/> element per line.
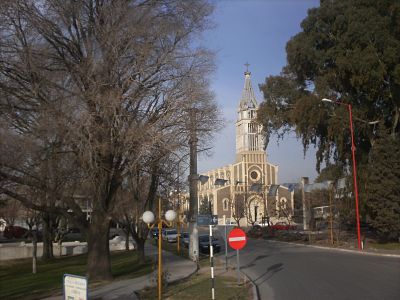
<point x="248" y="188"/>
<point x="249" y="138"/>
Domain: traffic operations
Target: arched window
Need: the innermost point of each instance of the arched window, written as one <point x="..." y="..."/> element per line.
<point x="225" y="204"/>
<point x="283" y="204"/>
<point x="282" y="207"/>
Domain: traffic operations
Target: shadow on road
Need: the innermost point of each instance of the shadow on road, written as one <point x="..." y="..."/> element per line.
<point x="271" y="271"/>
<point x="252" y="263"/>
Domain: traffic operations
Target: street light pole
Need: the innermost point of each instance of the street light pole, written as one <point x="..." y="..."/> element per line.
<point x="148" y="218"/>
<point x="354" y="166"/>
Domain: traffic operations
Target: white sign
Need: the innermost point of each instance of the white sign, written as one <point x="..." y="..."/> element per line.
<point x="75" y="287"/>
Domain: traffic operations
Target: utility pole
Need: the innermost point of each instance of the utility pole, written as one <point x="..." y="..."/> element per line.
<point x="306" y="215"/>
<point x="193" y="180"/>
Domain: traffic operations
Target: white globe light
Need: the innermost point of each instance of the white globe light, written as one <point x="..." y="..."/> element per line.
<point x="170" y="215"/>
<point x="148" y="217"/>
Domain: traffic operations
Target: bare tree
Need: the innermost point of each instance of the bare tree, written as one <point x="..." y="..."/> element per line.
<point x="96" y="85"/>
<point x="10" y="211"/>
<point x="239" y="208"/>
<point x="33" y="219"/>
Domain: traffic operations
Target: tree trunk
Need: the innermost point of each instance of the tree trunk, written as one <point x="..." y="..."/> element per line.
<point x="126" y="239"/>
<point x="34" y="253"/>
<point x="140" y="248"/>
<point x="60" y="247"/>
<point x="47" y="238"/>
<point x="98" y="262"/>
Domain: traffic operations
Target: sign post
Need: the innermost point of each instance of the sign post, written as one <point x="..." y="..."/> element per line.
<point x="237" y="240"/>
<point x="209" y="220"/>
<point x="212" y="263"/>
<point x="226" y="245"/>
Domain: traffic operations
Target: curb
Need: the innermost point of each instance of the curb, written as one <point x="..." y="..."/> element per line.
<point x="340" y="249"/>
<point x="255" y="291"/>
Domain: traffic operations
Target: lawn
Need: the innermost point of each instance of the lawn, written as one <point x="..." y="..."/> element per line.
<point x="18" y="282"/>
<point x="198" y="287"/>
<point x="385" y="246"/>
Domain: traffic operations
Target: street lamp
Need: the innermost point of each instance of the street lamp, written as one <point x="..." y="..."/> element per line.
<point x="354" y="165"/>
<point x="148" y="218"/>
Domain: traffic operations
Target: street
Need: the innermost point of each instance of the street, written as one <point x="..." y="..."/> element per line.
<point x="286" y="271"/>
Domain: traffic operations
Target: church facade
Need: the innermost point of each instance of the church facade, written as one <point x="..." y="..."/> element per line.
<point x="247" y="190"/>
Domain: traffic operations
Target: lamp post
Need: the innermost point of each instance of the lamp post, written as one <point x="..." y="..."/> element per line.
<point x="148" y="218"/>
<point x="354" y="165"/>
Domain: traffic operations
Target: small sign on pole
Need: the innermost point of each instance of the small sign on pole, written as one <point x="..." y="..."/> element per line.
<point x="75" y="287"/>
<point x="206" y="220"/>
<point x="237" y="240"/>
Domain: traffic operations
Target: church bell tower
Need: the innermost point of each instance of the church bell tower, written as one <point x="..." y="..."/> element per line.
<point x="249" y="138"/>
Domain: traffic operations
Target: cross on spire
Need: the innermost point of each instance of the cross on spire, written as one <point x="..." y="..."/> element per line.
<point x="247" y="67"/>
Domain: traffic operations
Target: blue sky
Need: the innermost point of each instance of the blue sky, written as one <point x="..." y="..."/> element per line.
<point x="254" y="31"/>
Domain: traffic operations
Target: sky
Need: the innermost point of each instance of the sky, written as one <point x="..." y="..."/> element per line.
<point x="254" y="31"/>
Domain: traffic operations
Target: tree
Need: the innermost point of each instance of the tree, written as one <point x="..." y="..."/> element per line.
<point x="331" y="172"/>
<point x="346" y="51"/>
<point x="96" y="84"/>
<point x="205" y="207"/>
<point x="32" y="219"/>
<point x="10" y="210"/>
<point x="238" y="208"/>
<point x="383" y="203"/>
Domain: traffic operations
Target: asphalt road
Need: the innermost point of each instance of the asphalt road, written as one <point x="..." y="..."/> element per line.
<point x="285" y="271"/>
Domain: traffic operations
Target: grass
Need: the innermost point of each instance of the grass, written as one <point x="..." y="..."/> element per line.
<point x="18" y="282"/>
<point x="198" y="287"/>
<point x="385" y="246"/>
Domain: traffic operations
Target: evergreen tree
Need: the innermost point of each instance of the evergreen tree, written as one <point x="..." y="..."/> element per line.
<point x="347" y="51"/>
<point x="331" y="172"/>
<point x="383" y="203"/>
<point x="205" y="207"/>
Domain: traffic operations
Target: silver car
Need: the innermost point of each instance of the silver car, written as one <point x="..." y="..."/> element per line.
<point x="170" y="235"/>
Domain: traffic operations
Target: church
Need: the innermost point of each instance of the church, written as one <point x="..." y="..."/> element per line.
<point x="247" y="190"/>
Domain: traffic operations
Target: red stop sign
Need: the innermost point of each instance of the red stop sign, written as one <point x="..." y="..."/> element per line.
<point x="237" y="239"/>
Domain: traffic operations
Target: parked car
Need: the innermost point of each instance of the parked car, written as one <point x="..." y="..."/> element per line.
<point x="73" y="234"/>
<point x="231" y="223"/>
<point x="113" y="232"/>
<point x="170" y="235"/>
<point x="283" y="226"/>
<point x="204" y="244"/>
<point x="185" y="239"/>
<point x="154" y="232"/>
<point x="14" y="232"/>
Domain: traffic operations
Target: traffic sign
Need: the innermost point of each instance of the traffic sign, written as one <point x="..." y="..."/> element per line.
<point x="237" y="239"/>
<point x="205" y="220"/>
<point x="75" y="287"/>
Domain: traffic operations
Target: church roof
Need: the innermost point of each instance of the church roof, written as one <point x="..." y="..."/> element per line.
<point x="248" y="100"/>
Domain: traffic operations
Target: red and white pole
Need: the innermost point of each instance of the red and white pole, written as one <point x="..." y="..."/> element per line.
<point x="355" y="177"/>
<point x="212" y="263"/>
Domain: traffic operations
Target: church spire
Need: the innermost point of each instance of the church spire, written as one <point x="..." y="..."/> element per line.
<point x="248" y="100"/>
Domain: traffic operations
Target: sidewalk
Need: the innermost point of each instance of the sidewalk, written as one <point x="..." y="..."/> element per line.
<point x="178" y="268"/>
